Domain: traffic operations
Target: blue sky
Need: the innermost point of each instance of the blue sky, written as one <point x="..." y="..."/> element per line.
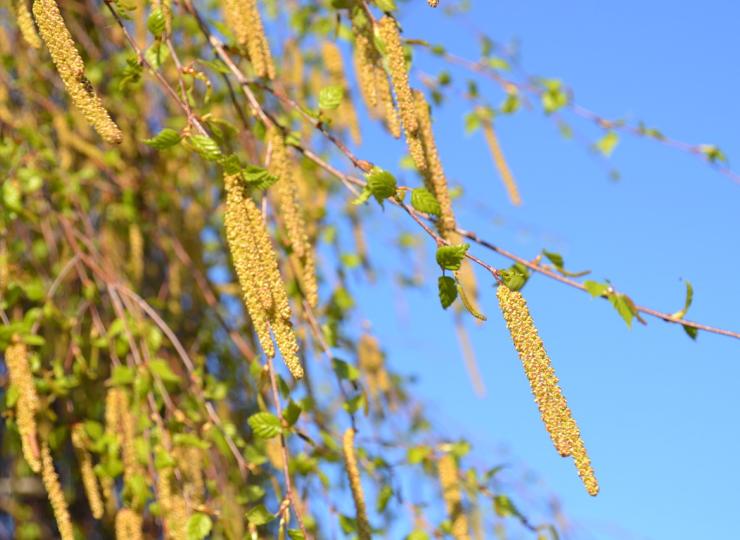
<point x="658" y="412"/>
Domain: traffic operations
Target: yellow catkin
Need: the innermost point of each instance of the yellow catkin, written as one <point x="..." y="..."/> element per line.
<point x="449" y="481"/>
<point x="274" y="451"/>
<point x="433" y="3"/>
<point x="434" y="175"/>
<point x="128" y="525"/>
<point x="385" y="97"/>
<point x="291" y="215"/>
<point x="256" y="265"/>
<point x="136" y="252"/>
<point x="353" y="473"/>
<point x="190" y="462"/>
<point x="244" y="18"/>
<point x="27" y="404"/>
<point x="500" y="161"/>
<point x="372" y="363"/>
<point x="56" y="496"/>
<point x="399" y="72"/>
<point x="71" y="69"/>
<point x="332" y="60"/>
<point x="174" y="508"/>
<point x="4" y="266"/>
<point x="25" y="23"/>
<point x="87" y="473"/>
<point x="553" y="408"/>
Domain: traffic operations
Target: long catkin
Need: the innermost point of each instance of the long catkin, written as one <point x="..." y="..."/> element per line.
<point x="128" y="525"/>
<point x="25" y="23"/>
<point x="256" y="265"/>
<point x="71" y="69"/>
<point x="19" y="372"/>
<point x="87" y="473"/>
<point x="54" y="491"/>
<point x="244" y="18"/>
<point x="292" y="216"/>
<point x="553" y="408"/>
<point x="449" y="481"/>
<point x="364" y="530"/>
<point x="500" y="161"/>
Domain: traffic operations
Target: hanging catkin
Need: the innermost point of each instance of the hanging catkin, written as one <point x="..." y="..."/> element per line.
<point x="353" y="473"/>
<point x="71" y="69"/>
<point x="449" y="481"/>
<point x="244" y="18"/>
<point x="25" y="23"/>
<point x="291" y="214"/>
<point x="405" y="98"/>
<point x="56" y="495"/>
<point x="128" y="525"/>
<point x="87" y="473"/>
<point x="256" y="265"/>
<point x="553" y="408"/>
<point x="500" y="161"/>
<point x="27" y="404"/>
<point x="332" y="60"/>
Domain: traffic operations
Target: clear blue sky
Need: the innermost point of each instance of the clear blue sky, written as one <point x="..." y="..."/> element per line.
<point x="658" y="412"/>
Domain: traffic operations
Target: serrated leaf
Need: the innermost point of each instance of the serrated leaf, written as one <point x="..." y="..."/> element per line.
<point x="265" y="425"/>
<point x="166" y="138"/>
<point x="595" y="288"/>
<point x="206" y="147"/>
<point x="156" y="55"/>
<point x="447" y="291"/>
<point x="344" y="370"/>
<point x="515" y="277"/>
<point x="199" y="526"/>
<point x="451" y="257"/>
<point x="258" y="177"/>
<point x="330" y="97"/>
<point x="423" y="201"/>
<point x="292" y="412"/>
<point x="156" y="22"/>
<point x="381" y="184"/>
<point x="162" y="369"/>
<point x="259" y="515"/>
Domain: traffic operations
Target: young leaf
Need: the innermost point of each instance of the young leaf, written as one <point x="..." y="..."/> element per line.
<point x="259" y="515"/>
<point x="162" y="369"/>
<point x="265" y="425"/>
<point x="198" y="526"/>
<point x="687" y="303"/>
<point x="447" y="291"/>
<point x="469" y="305"/>
<point x="451" y="257"/>
<point x="515" y="277"/>
<point x="607" y="143"/>
<point x="423" y="201"/>
<point x="330" y="97"/>
<point x="381" y="184"/>
<point x="292" y="412"/>
<point x="595" y="288"/>
<point x="206" y="147"/>
<point x="156" y="22"/>
<point x="164" y="139"/>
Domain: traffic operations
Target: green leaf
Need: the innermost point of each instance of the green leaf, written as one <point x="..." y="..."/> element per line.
<point x="557" y="260"/>
<point x="469" y="306"/>
<point x="121" y="375"/>
<point x="687" y="303"/>
<point x="503" y="506"/>
<point x="199" y="526"/>
<point x="206" y="147"/>
<point x="713" y="153"/>
<point x="162" y="369"/>
<point x="344" y="370"/>
<point x="595" y="288"/>
<point x="690" y="331"/>
<point x="156" y="55"/>
<point x="386" y="5"/>
<point x="447" y="291"/>
<point x="423" y="201"/>
<point x="265" y="425"/>
<point x="624" y="307"/>
<point x="295" y="534"/>
<point x="381" y="184"/>
<point x="418" y="534"/>
<point x="292" y="412"/>
<point x="384" y="496"/>
<point x="554" y="96"/>
<point x="156" y="22"/>
<point x="362" y="198"/>
<point x="164" y="139"/>
<point x="258" y="177"/>
<point x="259" y="515"/>
<point x="451" y="257"/>
<point x="607" y="143"/>
<point x="515" y="277"/>
<point x="330" y="97"/>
